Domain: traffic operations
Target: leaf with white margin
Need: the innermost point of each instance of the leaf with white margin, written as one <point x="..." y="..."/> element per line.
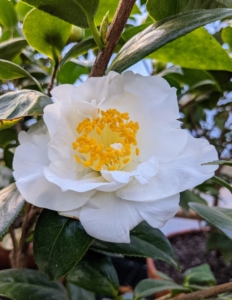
<point x="11" y="202"/>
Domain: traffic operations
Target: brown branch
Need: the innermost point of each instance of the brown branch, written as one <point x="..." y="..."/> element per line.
<point x="13" y="256"/>
<point x="53" y="76"/>
<point x="204" y="294"/>
<point x="113" y="36"/>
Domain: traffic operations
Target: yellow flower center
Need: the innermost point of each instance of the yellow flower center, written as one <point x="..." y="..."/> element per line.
<point x="107" y="142"/>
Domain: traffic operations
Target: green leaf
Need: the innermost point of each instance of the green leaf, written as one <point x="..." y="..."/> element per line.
<point x="220" y="162"/>
<point x="187" y="196"/>
<point x="59" y="243"/>
<point x="7" y="136"/>
<point x="226" y="35"/>
<point x="72" y="11"/>
<point x="96" y="273"/>
<point x="207" y="54"/>
<point x="22" y="10"/>
<point x="11" y="48"/>
<point x="222" y="182"/>
<point x="9" y="70"/>
<point x="218" y="241"/>
<point x="173" y="7"/>
<point x="11" y="202"/>
<point x="161" y="33"/>
<point x="217" y="216"/>
<point x="201" y="274"/>
<point x="8" y="17"/>
<point x="48" y="37"/>
<point x="146" y="241"/>
<point x="148" y="287"/>
<point x="15" y="105"/>
<point x="71" y="71"/>
<point x="77" y="293"/>
<point x="111" y="6"/>
<point x="79" y="49"/>
<point x="17" y="283"/>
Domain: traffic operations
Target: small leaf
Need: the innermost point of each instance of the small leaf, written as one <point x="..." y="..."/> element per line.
<point x="222" y="182"/>
<point x="59" y="243"/>
<point x="17" y="283"/>
<point x="15" y="105"/>
<point x="11" y="202"/>
<point x="163" y="32"/>
<point x="219" y="162"/>
<point x="146" y="241"/>
<point x="218" y="241"/>
<point x="217" y="216"/>
<point x="9" y="70"/>
<point x="50" y="36"/>
<point x="201" y="275"/>
<point x="7" y="136"/>
<point x="206" y="55"/>
<point x="96" y="273"/>
<point x="8" y="17"/>
<point x="71" y="71"/>
<point x="74" y="12"/>
<point x="148" y="287"/>
<point x="77" y="293"/>
<point x="188" y="196"/>
<point x="11" y="48"/>
<point x="79" y="49"/>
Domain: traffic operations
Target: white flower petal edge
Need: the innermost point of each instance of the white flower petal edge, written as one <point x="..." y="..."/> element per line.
<point x="110" y="202"/>
<point x="30" y="159"/>
<point x="119" y="217"/>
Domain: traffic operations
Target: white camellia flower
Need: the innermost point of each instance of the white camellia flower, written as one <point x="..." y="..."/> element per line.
<point x="112" y="154"/>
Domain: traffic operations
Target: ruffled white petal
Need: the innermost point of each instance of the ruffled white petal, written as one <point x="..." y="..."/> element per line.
<point x="63" y="93"/>
<point x="143" y="172"/>
<point x="29" y="161"/>
<point x="108" y="218"/>
<point x="184" y="172"/>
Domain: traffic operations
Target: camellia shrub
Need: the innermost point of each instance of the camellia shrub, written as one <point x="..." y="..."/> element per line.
<point x="95" y="158"/>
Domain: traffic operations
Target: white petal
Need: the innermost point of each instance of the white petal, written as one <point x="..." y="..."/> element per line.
<point x="63" y="92"/>
<point x="29" y="160"/>
<point x="184" y="172"/>
<point x="157" y="213"/>
<point x="143" y="172"/>
<point x="108" y="218"/>
<point x="92" y="182"/>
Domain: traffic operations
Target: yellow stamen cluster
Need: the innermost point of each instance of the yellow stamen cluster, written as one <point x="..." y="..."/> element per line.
<point x="107" y="142"/>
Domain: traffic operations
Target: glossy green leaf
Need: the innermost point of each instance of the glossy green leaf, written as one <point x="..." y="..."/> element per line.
<point x="146" y="241"/>
<point x="79" y="49"/>
<point x="17" y="283"/>
<point x="15" y="105"/>
<point x="11" y="202"/>
<point x="48" y="37"/>
<point x="77" y="293"/>
<point x="173" y="7"/>
<point x="161" y="33"/>
<point x="71" y="71"/>
<point x="11" y="48"/>
<point x="218" y="241"/>
<point x="72" y="11"/>
<point x="96" y="273"/>
<point x="59" y="243"/>
<point x="188" y="196"/>
<point x="148" y="287"/>
<point x="199" y="275"/>
<point x="206" y="54"/>
<point x="9" y="70"/>
<point x="222" y="183"/>
<point x="8" y="17"/>
<point x="217" y="216"/>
